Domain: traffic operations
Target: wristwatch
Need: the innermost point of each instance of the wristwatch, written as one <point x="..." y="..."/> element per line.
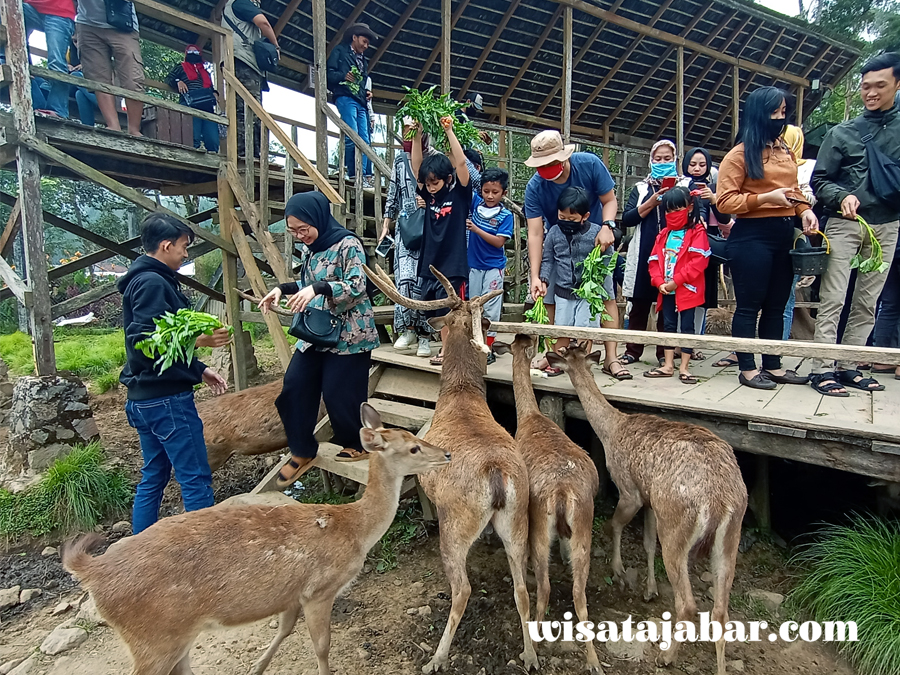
<point x="617" y="233"/>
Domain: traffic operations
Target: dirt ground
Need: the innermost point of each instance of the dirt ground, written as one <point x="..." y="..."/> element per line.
<point x="378" y="625"/>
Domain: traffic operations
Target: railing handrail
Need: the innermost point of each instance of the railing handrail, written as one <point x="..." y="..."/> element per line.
<point x="358" y="141"/>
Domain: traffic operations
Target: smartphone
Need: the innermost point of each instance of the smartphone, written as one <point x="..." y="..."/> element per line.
<point x="700" y="186"/>
<point x="668" y="182"/>
<point x="385" y="246"/>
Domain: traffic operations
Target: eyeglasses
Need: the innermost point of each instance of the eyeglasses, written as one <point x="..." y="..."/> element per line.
<point x="303" y="229"/>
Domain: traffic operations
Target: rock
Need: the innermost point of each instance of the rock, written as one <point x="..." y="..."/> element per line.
<point x="555" y="661"/>
<point x="597" y="552"/>
<point x="88" y="612"/>
<point x="631" y="578"/>
<point x="627" y="651"/>
<point x="426" y="647"/>
<point x="736" y="666"/>
<point x="49" y="550"/>
<point x="707" y="577"/>
<point x="9" y="665"/>
<point x="411" y="611"/>
<point x="25" y="667"/>
<point x="9" y="597"/>
<point x="122" y="527"/>
<point x="711" y="592"/>
<point x="417" y="585"/>
<point x="397" y="582"/>
<point x="62" y="640"/>
<point x="27" y="594"/>
<point x="424" y="610"/>
<point x="61" y="608"/>
<point x="771" y="601"/>
<point x="273" y="624"/>
<point x="363" y="654"/>
<point x="63" y="666"/>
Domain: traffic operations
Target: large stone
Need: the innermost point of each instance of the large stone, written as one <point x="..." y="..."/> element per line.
<point x="627" y="651"/>
<point x="220" y="360"/>
<point x="771" y="601"/>
<point x="9" y="597"/>
<point x="25" y="667"/>
<point x="62" y="640"/>
<point x="29" y="593"/>
<point x="88" y="612"/>
<point x="40" y="459"/>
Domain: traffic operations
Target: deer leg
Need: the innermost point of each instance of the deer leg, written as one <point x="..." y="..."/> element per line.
<point x="650" y="548"/>
<point x="628" y="506"/>
<point x="183" y="667"/>
<point x="318" y="621"/>
<point x="286" y="623"/>
<point x="675" y="548"/>
<point x="580" y="548"/>
<point x="724" y="557"/>
<point x="539" y="543"/>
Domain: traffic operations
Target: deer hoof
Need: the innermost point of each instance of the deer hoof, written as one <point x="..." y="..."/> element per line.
<point x="434" y="665"/>
<point x="649" y="595"/>
<point x="664" y="659"/>
<point x="530" y="661"/>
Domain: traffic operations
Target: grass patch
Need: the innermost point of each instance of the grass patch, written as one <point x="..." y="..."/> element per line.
<point x="76" y="493"/>
<point x="854" y="575"/>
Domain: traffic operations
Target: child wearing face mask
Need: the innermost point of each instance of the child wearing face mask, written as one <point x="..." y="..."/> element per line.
<point x="677" y="268"/>
<point x="192" y="81"/>
<point x="566" y="246"/>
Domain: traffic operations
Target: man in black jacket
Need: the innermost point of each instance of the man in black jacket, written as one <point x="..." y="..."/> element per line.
<point x="347" y="72"/>
<point x="161" y="405"/>
<point x="841" y="184"/>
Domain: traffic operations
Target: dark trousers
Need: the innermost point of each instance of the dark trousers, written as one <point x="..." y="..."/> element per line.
<point x="253" y="82"/>
<point x="761" y="269"/>
<point x="341" y="379"/>
<point x="638" y="318"/>
<point x="672" y="317"/>
<point x="887" y="324"/>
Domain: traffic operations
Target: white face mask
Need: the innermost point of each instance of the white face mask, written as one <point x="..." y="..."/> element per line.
<point x="488" y="213"/>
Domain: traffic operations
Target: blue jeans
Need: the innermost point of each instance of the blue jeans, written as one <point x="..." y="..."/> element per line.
<point x="39" y="90"/>
<point x="356" y="115"/>
<point x="789" y="308"/>
<point x="208" y="132"/>
<point x="171" y="434"/>
<point x="58" y="31"/>
<point x="87" y="102"/>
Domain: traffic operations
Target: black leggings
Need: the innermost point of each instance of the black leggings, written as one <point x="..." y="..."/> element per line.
<point x="341" y="379"/>
<point x="761" y="269"/>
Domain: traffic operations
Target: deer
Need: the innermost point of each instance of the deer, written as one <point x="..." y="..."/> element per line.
<point x="487" y="481"/>
<point x="233" y="564"/>
<point x="689" y="480"/>
<point x="563" y="482"/>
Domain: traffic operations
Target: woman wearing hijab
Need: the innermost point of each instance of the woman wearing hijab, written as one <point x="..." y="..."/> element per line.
<point x="758" y="184"/>
<point x="331" y="279"/>
<point x="192" y="81"/>
<point x="645" y="214"/>
<point x="410" y="325"/>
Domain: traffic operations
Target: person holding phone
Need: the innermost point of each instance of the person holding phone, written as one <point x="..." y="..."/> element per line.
<point x="645" y="215"/>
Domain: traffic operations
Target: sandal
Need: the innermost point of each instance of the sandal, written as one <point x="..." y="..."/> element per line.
<point x="698" y="356"/>
<point x="296" y="470"/>
<point x="550" y="371"/>
<point x="849" y="379"/>
<point x="351" y="455"/>
<point x="627" y="359"/>
<point x="437" y="360"/>
<point x="827" y="385"/>
<point x="657" y="373"/>
<point x="884" y="370"/>
<point x="727" y="362"/>
<point x="687" y="378"/>
<point x="620" y="374"/>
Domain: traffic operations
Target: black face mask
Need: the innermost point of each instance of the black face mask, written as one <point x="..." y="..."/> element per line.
<point x="194" y="58"/>
<point x="569" y="227"/>
<point x="774" y="128"/>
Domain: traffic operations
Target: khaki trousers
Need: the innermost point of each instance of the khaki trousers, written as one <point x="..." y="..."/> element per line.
<point x="846" y="238"/>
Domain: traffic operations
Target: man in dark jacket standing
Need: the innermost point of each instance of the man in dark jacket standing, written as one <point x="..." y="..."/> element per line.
<point x="841" y="183"/>
<point x="161" y="405"/>
<point x="351" y="96"/>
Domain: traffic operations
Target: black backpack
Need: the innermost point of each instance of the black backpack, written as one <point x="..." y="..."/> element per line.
<point x="884" y="171"/>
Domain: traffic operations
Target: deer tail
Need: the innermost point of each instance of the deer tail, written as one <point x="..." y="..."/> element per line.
<point x="76" y="555"/>
<point x="563" y="530"/>
<point x="498" y="489"/>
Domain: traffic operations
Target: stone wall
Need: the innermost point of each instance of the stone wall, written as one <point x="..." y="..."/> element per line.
<point x="220" y="360"/>
<point x="48" y="416"/>
<point x="6" y="390"/>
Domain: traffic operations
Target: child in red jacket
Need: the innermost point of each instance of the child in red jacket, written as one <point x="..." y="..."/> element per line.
<point x="677" y="265"/>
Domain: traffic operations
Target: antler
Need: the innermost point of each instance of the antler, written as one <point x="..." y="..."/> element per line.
<point x="448" y="287"/>
<point x="481" y="299"/>
<point x="381" y="279"/>
<point x="477" y="330"/>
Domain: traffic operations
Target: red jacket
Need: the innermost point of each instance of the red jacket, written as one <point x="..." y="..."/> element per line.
<point x="689" y="267"/>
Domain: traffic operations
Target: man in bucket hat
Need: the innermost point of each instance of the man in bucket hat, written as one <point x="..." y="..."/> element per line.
<point x="559" y="167"/>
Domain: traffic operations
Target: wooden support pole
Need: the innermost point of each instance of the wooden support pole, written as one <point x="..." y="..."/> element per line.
<point x="759" y="501"/>
<point x="11" y="229"/>
<point x="432" y="57"/>
<point x="446" y="32"/>
<point x="735" y="102"/>
<point x="264" y="213"/>
<point x="320" y="57"/>
<point x="286" y="15"/>
<point x="679" y="100"/>
<point x="566" y="121"/>
<point x="288" y="193"/>
<point x="229" y="226"/>
<point x="800" y="91"/>
<point x="606" y="142"/>
<point x="502" y="140"/>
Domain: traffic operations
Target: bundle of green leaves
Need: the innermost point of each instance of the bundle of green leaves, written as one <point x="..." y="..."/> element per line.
<point x="538" y="314"/>
<point x="175" y="337"/>
<point x="595" y="271"/>
<point x="875" y="262"/>
<point x="353" y="86"/>
<point x="427" y="108"/>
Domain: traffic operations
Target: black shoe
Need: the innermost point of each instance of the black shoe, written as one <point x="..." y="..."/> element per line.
<point x="491" y="358"/>
<point x="789" y="377"/>
<point x="758" y="381"/>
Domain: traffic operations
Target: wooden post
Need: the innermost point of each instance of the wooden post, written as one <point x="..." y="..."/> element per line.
<point x="800" y="91"/>
<point x="554" y="408"/>
<point x="249" y="151"/>
<point x="38" y="305"/>
<point x="288" y="193"/>
<point x="320" y="57"/>
<point x="264" y="215"/>
<point x="760" y="502"/>
<point x="359" y="201"/>
<point x="567" y="75"/>
<point x="606" y="143"/>
<point x="501" y="148"/>
<point x="389" y="141"/>
<point x="735" y="102"/>
<point x="446" y="30"/>
<point x="679" y="101"/>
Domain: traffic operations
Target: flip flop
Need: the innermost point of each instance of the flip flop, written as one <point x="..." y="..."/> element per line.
<point x="351" y="455"/>
<point x="627" y="359"/>
<point x="286" y="480"/>
<point x="656" y="373"/>
<point x="686" y="378"/>
<point x="698" y="356"/>
<point x="727" y="362"/>
<point x="620" y="375"/>
<point x="551" y="371"/>
<point x="437" y="360"/>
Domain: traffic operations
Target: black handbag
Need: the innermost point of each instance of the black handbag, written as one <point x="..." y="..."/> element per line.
<point x="717" y="249"/>
<point x="411" y="226"/>
<point x="120" y="15"/>
<point x="201" y="99"/>
<point x="318" y="327"/>
<point x="266" y="53"/>
<point x="884" y="171"/>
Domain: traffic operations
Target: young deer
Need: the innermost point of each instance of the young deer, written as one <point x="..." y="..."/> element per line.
<point x="563" y="482"/>
<point x="231" y="565"/>
<point x="687" y="477"/>
<point x="487" y="481"/>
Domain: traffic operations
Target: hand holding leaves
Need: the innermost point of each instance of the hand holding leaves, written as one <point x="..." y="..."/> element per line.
<point x="175" y="337"/>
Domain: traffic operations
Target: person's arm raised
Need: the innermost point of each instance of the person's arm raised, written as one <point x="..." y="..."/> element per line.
<point x="457" y="156"/>
<point x="415" y="156"/>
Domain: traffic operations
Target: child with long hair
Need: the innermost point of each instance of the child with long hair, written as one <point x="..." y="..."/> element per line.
<point x="677" y="268"/>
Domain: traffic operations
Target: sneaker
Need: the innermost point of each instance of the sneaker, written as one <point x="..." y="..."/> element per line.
<point x="491" y="358"/>
<point x="406" y="340"/>
<point x="424" y="347"/>
<point x="369" y="182"/>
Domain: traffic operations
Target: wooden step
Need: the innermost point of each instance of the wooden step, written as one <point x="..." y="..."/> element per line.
<point x="403" y="415"/>
<point x="325" y="460"/>
<point x="416" y="385"/>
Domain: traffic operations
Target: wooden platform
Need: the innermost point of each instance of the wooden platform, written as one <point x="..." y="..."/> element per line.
<point x="860" y="434"/>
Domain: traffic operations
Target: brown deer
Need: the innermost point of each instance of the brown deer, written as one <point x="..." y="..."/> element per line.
<point x="563" y="481"/>
<point x="230" y="565"/>
<point x="687" y="477"/>
<point x="487" y="481"/>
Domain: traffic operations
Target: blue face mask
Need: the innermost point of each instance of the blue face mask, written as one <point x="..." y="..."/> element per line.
<point x="662" y="170"/>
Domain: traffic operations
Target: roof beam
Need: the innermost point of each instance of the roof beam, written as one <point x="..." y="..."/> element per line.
<point x="349" y="21"/>
<point x="586" y="47"/>
<point x="622" y="59"/>
<point x="816" y="60"/>
<point x="534" y="52"/>
<point x="437" y="48"/>
<point x="498" y="31"/>
<point x="676" y="40"/>
<point x="398" y="26"/>
<point x="286" y="15"/>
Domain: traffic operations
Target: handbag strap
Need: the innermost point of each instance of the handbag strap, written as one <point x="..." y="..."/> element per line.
<point x="235" y="28"/>
<point x="865" y="136"/>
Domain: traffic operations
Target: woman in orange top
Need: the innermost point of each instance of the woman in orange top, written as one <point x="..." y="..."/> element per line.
<point x="758" y="184"/>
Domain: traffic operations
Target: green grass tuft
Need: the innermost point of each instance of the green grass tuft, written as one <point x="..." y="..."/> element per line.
<point x="76" y="493"/>
<point x="89" y="353"/>
<point x="854" y="575"/>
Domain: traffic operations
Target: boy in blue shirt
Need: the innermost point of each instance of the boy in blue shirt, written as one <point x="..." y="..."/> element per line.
<point x="490" y="225"/>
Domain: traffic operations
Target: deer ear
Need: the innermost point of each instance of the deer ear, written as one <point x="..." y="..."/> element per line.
<point x="485" y="323"/>
<point x="437" y="322"/>
<point x="501" y="348"/>
<point x="595" y="357"/>
<point x="370" y="417"/>
<point x="372" y="441"/>
<point x="555" y="360"/>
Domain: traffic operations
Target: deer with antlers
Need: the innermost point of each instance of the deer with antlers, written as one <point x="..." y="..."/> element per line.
<point x="487" y="481"/>
<point x="689" y="481"/>
<point x="563" y="482"/>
